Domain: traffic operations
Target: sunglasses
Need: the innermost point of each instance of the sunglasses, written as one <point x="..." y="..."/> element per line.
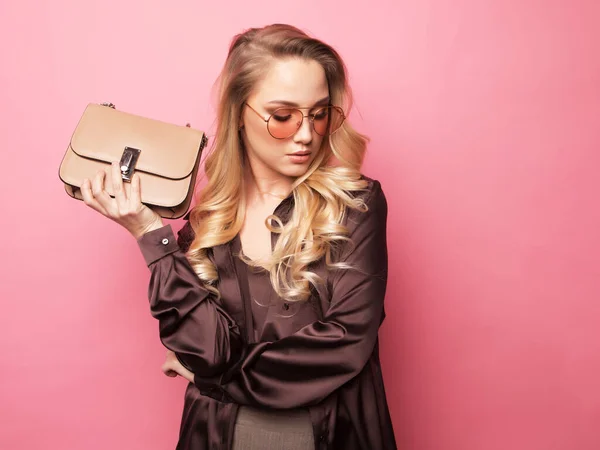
<point x="286" y="121"/>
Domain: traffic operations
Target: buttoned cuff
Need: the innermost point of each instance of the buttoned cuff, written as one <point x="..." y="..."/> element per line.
<point x="157" y="244"/>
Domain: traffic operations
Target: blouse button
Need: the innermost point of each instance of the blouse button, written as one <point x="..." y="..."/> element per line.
<point x="165" y="241"/>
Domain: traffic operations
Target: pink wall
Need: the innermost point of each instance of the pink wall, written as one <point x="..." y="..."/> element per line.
<point x="484" y="123"/>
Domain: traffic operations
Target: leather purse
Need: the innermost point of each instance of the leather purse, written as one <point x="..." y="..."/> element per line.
<point x="166" y="157"/>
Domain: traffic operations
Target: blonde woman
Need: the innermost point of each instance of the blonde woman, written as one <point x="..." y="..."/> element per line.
<point x="270" y="299"/>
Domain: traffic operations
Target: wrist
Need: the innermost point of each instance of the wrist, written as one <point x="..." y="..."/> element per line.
<point x="155" y="225"/>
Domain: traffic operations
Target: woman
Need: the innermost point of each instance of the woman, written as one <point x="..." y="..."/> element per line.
<point x="271" y="297"/>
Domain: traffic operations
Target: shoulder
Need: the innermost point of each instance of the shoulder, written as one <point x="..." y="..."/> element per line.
<point x="366" y="247"/>
<point x="374" y="191"/>
<point x="375" y="201"/>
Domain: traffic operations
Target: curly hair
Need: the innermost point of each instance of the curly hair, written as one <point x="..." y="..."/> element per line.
<point x="321" y="196"/>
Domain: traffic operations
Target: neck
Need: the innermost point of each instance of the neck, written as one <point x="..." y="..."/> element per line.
<point x="266" y="187"/>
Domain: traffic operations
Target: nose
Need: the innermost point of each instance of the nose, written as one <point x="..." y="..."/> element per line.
<point x="304" y="134"/>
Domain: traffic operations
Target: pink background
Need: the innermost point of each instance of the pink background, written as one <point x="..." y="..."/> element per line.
<point x="484" y="118"/>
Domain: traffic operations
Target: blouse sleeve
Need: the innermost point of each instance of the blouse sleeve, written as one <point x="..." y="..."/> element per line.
<point x="307" y="366"/>
<point x="191" y="324"/>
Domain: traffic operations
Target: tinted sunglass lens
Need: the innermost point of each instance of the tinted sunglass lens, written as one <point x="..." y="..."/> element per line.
<point x="284" y="122"/>
<point x="327" y="120"/>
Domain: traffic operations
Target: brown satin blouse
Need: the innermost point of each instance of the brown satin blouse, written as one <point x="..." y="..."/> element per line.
<point x="321" y="354"/>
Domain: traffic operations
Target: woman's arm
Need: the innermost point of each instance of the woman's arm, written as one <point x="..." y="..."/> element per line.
<point x="307" y="366"/>
<point x="191" y="324"/>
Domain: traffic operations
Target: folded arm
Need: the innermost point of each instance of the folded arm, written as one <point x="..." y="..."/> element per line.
<point x="305" y="367"/>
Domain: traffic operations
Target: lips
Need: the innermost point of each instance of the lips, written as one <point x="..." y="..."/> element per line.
<point x="302" y="157"/>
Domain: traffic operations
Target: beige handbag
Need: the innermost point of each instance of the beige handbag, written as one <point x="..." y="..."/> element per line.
<point x="166" y="157"/>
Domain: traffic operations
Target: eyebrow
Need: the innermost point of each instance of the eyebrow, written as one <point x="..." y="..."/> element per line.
<point x="288" y="103"/>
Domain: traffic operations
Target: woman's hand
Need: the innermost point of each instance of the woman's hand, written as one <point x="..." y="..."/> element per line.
<point x="127" y="210"/>
<point x="172" y="367"/>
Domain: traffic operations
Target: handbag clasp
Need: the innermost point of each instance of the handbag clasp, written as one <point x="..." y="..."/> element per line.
<point x="128" y="162"/>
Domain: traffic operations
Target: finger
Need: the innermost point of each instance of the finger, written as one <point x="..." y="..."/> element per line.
<point x="135" y="197"/>
<point x="100" y="193"/>
<point x="168" y="371"/>
<point x="117" y="183"/>
<point x="88" y="197"/>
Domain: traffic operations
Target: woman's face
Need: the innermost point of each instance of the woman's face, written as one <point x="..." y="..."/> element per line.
<point x="291" y="82"/>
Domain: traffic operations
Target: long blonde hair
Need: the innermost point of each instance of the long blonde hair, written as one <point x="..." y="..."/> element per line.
<point x="321" y="196"/>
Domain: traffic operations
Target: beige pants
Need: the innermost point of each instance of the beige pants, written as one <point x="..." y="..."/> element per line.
<point x="273" y="430"/>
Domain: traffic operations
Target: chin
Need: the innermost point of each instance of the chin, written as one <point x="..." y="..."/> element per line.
<point x="295" y="171"/>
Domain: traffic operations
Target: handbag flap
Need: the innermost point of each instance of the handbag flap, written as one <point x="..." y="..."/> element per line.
<point x="167" y="150"/>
